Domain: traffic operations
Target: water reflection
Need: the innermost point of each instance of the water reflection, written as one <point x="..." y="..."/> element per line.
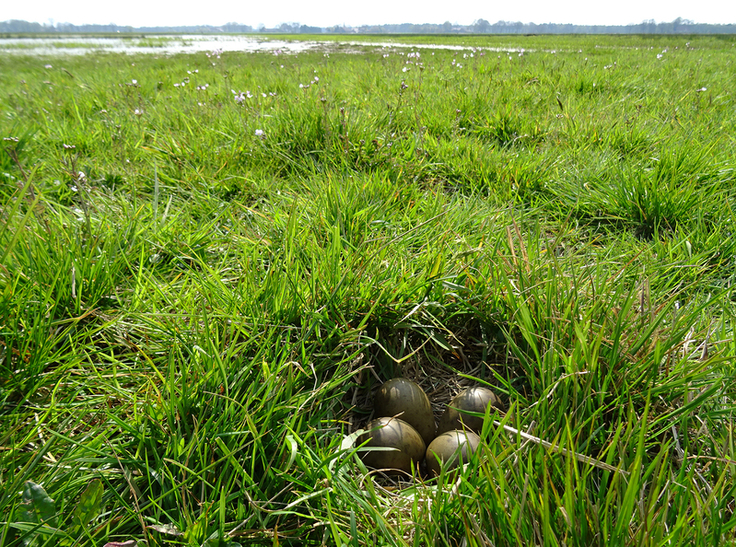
<point x="81" y="45"/>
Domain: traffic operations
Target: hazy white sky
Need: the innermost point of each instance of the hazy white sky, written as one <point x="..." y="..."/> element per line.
<point x="355" y="13"/>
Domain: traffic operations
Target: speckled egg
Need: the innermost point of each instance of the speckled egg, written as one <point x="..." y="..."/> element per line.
<point x="395" y="434"/>
<point x="404" y="399"/>
<point x="474" y="399"/>
<point x="453" y="448"/>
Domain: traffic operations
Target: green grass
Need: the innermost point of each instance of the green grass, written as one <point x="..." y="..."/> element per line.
<point x="193" y="315"/>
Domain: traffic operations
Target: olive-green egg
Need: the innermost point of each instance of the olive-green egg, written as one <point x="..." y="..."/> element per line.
<point x="453" y="448"/>
<point x="405" y="399"/>
<point x="474" y="399"/>
<point x="391" y="433"/>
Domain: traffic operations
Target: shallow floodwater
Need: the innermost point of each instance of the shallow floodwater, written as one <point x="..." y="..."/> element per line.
<point x="82" y="45"/>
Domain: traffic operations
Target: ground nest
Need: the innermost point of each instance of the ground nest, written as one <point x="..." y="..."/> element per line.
<point x="441" y="377"/>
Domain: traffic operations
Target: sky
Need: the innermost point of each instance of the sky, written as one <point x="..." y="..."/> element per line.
<point x="327" y="13"/>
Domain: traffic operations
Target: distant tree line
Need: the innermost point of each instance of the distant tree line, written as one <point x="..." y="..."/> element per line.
<point x="480" y="26"/>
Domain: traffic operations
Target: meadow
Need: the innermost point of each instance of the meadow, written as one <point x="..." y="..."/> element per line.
<point x="209" y="262"/>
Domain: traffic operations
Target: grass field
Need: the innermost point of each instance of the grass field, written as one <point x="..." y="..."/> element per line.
<point x="209" y="262"/>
